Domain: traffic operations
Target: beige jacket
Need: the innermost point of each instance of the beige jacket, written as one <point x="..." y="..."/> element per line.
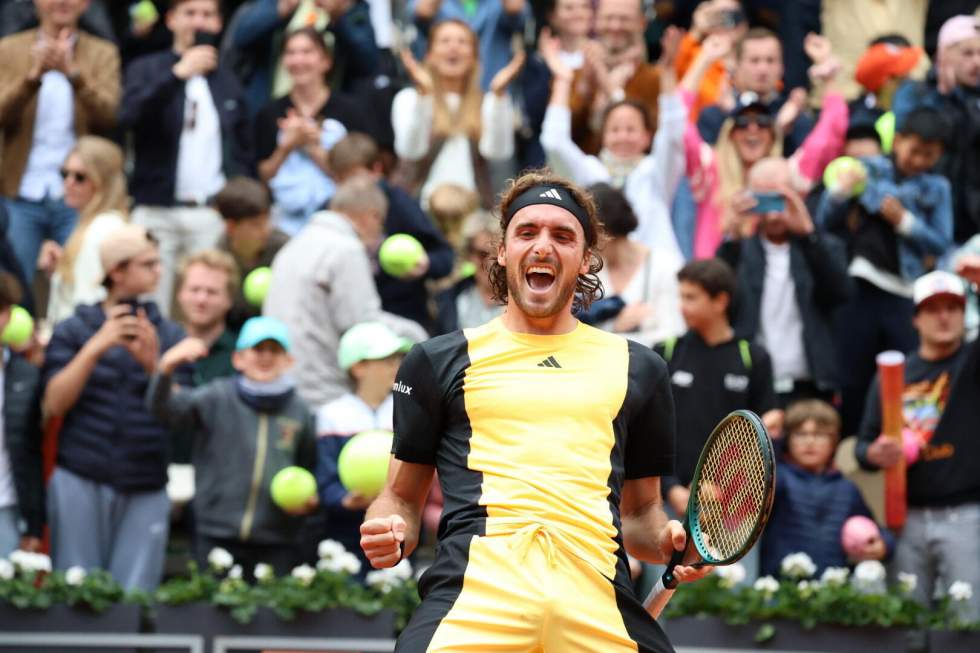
<point x="97" y="92"/>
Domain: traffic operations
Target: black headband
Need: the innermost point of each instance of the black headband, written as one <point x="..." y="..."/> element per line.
<point x="554" y="195"/>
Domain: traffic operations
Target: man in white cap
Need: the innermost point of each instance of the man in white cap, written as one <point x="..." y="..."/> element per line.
<point x="107" y="503"/>
<point x="940" y="543"/>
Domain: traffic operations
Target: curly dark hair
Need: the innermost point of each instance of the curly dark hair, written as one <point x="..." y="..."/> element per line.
<point x="588" y="288"/>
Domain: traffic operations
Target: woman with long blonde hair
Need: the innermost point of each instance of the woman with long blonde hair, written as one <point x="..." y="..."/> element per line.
<point x="446" y="128"/>
<point x="95" y="186"/>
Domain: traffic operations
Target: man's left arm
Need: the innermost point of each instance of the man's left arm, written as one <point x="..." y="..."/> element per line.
<point x="512" y="17"/>
<point x="350" y="23"/>
<point x="98" y="87"/>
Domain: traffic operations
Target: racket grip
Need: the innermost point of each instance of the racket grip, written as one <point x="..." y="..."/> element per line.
<point x="657" y="599"/>
<point x="668" y="580"/>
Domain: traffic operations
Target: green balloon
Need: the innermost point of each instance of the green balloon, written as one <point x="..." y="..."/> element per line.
<point x="885" y="126"/>
<point x="19" y="329"/>
<point x="363" y="462"/>
<point x="256" y="285"/>
<point x="292" y="487"/>
<point x="399" y="254"/>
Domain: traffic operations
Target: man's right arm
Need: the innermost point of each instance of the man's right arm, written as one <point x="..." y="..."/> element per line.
<point x="390" y="530"/>
<point x="17" y="85"/>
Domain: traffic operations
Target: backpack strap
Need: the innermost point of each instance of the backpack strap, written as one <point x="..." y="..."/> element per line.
<point x="746" y="354"/>
<point x="669" y="345"/>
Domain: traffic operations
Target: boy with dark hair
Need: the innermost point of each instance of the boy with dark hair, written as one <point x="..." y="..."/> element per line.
<point x="712" y="372"/>
<point x="896" y="229"/>
<point x="21" y="485"/>
<point x="813" y="500"/>
<point x="244" y="205"/>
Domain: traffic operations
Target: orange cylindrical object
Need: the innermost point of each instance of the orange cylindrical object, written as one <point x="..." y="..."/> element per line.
<point x="891" y="374"/>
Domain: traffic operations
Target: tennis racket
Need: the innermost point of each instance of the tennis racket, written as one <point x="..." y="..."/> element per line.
<point x="731" y="497"/>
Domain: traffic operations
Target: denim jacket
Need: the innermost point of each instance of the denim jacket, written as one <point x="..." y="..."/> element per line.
<point x="925" y="234"/>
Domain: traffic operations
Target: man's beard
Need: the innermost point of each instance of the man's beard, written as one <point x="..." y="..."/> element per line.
<point x="517" y="289"/>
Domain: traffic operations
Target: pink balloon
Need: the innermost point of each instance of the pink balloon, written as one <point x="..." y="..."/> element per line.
<point x="856" y="533"/>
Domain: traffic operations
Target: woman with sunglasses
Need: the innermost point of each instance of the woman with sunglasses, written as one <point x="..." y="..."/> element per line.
<point x="750" y="134"/>
<point x="95" y="186"/>
<point x="469" y="302"/>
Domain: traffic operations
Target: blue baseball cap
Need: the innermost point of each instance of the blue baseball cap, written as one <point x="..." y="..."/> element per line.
<point x="260" y="329"/>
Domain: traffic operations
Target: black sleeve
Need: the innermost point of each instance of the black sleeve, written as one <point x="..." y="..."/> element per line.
<point x="306" y="451"/>
<point x="870" y="425"/>
<point x="762" y="392"/>
<point x="266" y="131"/>
<point x="827" y="258"/>
<point x="419" y="414"/>
<point x="651" y="434"/>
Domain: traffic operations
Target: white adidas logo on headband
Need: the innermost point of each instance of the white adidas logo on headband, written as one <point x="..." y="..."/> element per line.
<point x="552" y="194"/>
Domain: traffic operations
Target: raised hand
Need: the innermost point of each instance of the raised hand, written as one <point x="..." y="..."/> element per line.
<point x="188" y="350"/>
<point x="421" y="78"/>
<point x="670" y="44"/>
<point x="382" y="539"/>
<point x="817" y="47"/>
<point x="549" y="46"/>
<point x="716" y="46"/>
<point x="506" y="75"/>
<point x="198" y="60"/>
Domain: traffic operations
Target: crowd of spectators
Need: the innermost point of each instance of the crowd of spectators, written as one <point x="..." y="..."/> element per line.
<point x="155" y="153"/>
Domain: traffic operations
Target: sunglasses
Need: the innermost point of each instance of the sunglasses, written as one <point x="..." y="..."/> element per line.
<point x="761" y="120"/>
<point x="74" y="175"/>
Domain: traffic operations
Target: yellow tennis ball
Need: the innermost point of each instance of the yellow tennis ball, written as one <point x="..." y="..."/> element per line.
<point x="292" y="487"/>
<point x="839" y="166"/>
<point x="399" y="254"/>
<point x="363" y="462"/>
<point x="19" y="329"/>
<point x="256" y="285"/>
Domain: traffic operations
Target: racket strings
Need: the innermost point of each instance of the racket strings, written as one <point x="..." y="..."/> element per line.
<point x="731" y="493"/>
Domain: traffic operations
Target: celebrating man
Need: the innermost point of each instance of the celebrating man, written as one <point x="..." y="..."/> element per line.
<point x="550" y="438"/>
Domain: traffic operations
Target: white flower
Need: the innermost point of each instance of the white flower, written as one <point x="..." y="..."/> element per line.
<point x="30" y="561"/>
<point x="350" y="564"/>
<point x="731" y="575"/>
<point x="907" y="582"/>
<point x="75" y="575"/>
<point x="403" y="570"/>
<point x="869" y="577"/>
<point x="961" y="591"/>
<point x="6" y="569"/>
<point x="835" y="575"/>
<point x="304" y="573"/>
<point x="235" y="572"/>
<point x="806" y="588"/>
<point x="263" y="571"/>
<point x="219" y="559"/>
<point x="380" y="580"/>
<point x="767" y="585"/>
<point x="330" y="549"/>
<point x="798" y="565"/>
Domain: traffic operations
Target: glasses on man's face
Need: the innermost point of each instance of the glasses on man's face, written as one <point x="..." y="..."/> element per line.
<point x="74" y="175"/>
<point x="812" y="435"/>
<point x="760" y="120"/>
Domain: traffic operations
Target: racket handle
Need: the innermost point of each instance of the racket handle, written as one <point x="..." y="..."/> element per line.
<point x="657" y="599"/>
<point x="668" y="580"/>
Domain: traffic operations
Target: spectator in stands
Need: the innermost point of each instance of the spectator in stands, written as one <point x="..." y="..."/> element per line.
<point x="954" y="89"/>
<point x="712" y="371"/>
<point x="940" y="542"/>
<point x="750" y="134"/>
<point x="469" y="302"/>
<point x="370" y="354"/>
<point x="322" y="285"/>
<point x="206" y="283"/>
<point x="107" y="501"/>
<point x="493" y="23"/>
<point x="616" y="69"/>
<point x="260" y="26"/>
<point x="56" y="84"/>
<point x="22" y="515"/>
<point x="813" y="500"/>
<point x="759" y="71"/>
<point x="9" y="262"/>
<point x="570" y="21"/>
<point x="791" y="279"/>
<point x="294" y="133"/>
<point x="446" y="128"/>
<point x="645" y="167"/>
<point x="449" y="206"/>
<point x="643" y="281"/>
<point x="249" y="237"/>
<point x="896" y="229"/>
<point x="881" y="70"/>
<point x="95" y="187"/>
<point x="190" y="131"/>
<point x="726" y="21"/>
<point x="249" y="427"/>
<point x="406" y="296"/>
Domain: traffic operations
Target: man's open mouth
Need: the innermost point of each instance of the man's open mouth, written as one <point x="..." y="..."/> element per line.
<point x="539" y="278"/>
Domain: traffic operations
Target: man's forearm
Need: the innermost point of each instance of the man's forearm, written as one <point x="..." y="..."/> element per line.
<point x="643" y="533"/>
<point x="66" y="387"/>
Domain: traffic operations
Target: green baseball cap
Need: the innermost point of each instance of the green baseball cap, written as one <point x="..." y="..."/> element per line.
<point x="260" y="329"/>
<point x="369" y="341"/>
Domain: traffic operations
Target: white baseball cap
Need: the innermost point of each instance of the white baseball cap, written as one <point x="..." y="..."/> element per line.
<point x="938" y="283"/>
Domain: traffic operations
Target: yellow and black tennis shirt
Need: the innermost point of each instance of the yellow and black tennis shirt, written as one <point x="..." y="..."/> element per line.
<point x="533" y="435"/>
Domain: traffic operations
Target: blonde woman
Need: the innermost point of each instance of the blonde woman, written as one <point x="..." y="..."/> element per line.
<point x="446" y="128"/>
<point x="95" y="187"/>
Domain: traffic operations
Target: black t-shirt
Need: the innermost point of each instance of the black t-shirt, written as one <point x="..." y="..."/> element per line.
<point x="875" y="240"/>
<point x="941" y="406"/>
<point x="708" y="383"/>
<point x="338" y="106"/>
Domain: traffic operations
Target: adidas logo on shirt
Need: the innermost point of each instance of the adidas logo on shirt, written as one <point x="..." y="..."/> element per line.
<point x="551" y="193"/>
<point x="549" y="362"/>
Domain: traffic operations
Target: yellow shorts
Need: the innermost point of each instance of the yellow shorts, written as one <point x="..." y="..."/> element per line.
<point x="524" y="593"/>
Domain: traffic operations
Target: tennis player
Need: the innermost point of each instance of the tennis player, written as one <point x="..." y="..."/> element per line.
<point x="550" y="438"/>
